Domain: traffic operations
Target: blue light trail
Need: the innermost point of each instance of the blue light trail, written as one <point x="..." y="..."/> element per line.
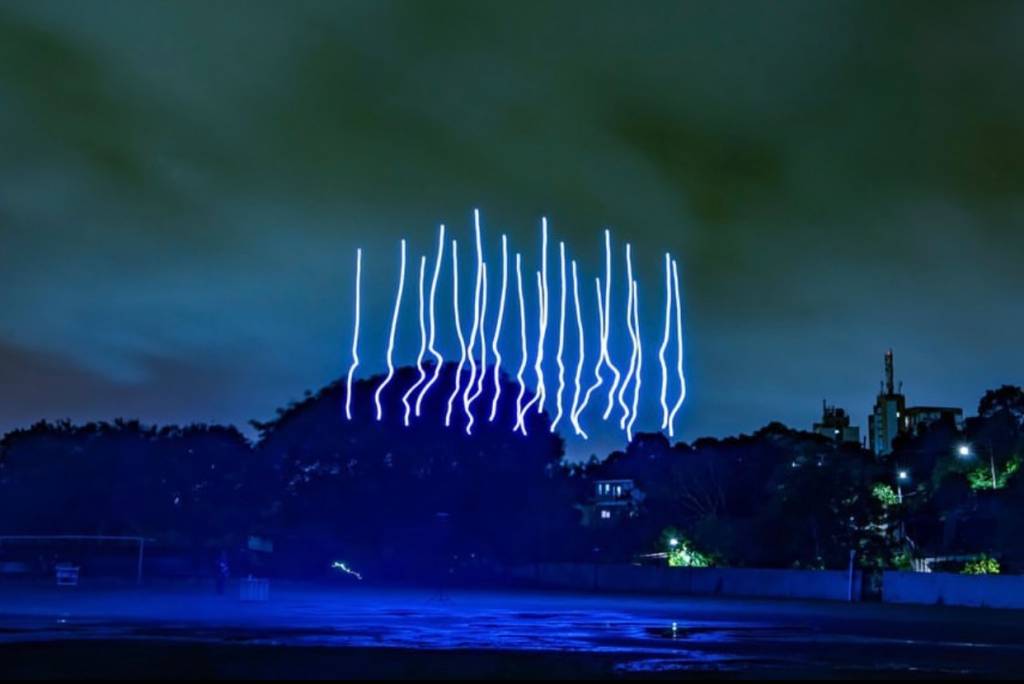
<point x="391" y="336"/>
<point x="355" y="338"/>
<point x="561" y="340"/>
<point x="497" y="328"/>
<point x="438" y="359"/>
<point x="423" y="347"/>
<point x="458" y="332"/>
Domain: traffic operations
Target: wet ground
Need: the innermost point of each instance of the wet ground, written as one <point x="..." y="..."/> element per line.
<point x="352" y="631"/>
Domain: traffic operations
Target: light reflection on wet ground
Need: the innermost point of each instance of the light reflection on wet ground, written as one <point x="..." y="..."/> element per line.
<point x="644" y="634"/>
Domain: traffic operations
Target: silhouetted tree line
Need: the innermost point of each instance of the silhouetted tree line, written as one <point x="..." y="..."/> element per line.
<point x="423" y="501"/>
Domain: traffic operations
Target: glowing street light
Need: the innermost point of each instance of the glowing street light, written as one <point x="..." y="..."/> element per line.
<point x="673" y="542"/>
<point x="964" y="450"/>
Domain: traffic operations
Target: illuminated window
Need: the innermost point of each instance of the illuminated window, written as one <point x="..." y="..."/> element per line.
<point x="606" y="515"/>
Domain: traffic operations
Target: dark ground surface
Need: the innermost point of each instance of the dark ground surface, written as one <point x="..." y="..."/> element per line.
<point x="341" y="631"/>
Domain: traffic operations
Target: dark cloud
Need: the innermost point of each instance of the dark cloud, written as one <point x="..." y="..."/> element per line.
<point x="183" y="184"/>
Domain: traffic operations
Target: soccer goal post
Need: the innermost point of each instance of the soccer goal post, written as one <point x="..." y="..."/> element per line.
<point x="140" y="543"/>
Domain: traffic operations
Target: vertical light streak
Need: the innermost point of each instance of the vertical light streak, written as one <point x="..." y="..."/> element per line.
<point x="475" y="328"/>
<point x="458" y="332"/>
<point x="605" y="356"/>
<point x="679" y="350"/>
<point x="639" y="360"/>
<point x="438" y="359"/>
<point x="561" y="339"/>
<point x="536" y="398"/>
<point x="423" y="347"/>
<point x="483" y="341"/>
<point x="664" y="342"/>
<point x="574" y="411"/>
<point x="355" y="339"/>
<point x="391" y="337"/>
<point x="497" y="328"/>
<point x="598" y="379"/>
<point x="467" y="404"/>
<point x="520" y="425"/>
<point x="632" y="338"/>
<point x="542" y="284"/>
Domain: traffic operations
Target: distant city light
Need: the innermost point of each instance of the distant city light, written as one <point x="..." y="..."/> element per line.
<point x="964" y="450"/>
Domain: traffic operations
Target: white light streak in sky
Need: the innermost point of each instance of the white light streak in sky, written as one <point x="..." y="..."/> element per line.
<point x="605" y="356"/>
<point x="520" y="425"/>
<point x="663" y="396"/>
<point x="561" y="339"/>
<point x="423" y="347"/>
<point x="438" y="359"/>
<point x="679" y="350"/>
<point x="458" y="332"/>
<point x="391" y="336"/>
<point x="497" y="328"/>
<point x="355" y="338"/>
<point x="574" y="410"/>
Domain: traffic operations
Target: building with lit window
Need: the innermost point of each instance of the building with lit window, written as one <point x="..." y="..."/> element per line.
<point x="613" y="500"/>
<point x="835" y="425"/>
<point x="891" y="417"/>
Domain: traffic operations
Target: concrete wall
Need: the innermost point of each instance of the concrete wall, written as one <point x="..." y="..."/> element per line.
<point x="798" y="584"/>
<point x="940" y="588"/>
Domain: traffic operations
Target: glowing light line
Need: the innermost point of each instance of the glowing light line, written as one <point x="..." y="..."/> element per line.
<point x="497" y="328"/>
<point x="598" y="379"/>
<point x="639" y="360"/>
<point x="475" y="328"/>
<point x="632" y="338"/>
<point x="542" y="311"/>
<point x="520" y="425"/>
<point x="355" y="339"/>
<point x="664" y="342"/>
<point x="581" y="352"/>
<point x="423" y="348"/>
<point x="483" y="356"/>
<point x="458" y="332"/>
<point x="535" y="399"/>
<point x="483" y="341"/>
<point x="679" y="350"/>
<point x="439" y="360"/>
<point x="391" y="337"/>
<point x="605" y="356"/>
<point x="561" y="340"/>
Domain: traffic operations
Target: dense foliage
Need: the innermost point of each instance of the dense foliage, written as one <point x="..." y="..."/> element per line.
<point x="425" y="500"/>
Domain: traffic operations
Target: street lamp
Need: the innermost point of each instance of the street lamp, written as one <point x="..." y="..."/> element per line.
<point x="673" y="542"/>
<point x="965" y="451"/>
<point x="901" y="477"/>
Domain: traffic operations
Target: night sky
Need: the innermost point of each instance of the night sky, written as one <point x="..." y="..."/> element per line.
<point x="183" y="186"/>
